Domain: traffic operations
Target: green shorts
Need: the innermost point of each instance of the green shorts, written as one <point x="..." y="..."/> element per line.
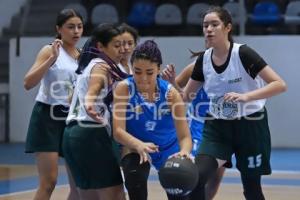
<point x="89" y="154"/>
<point x="46" y="127"/>
<point x="247" y="137"/>
<point x="116" y="149"/>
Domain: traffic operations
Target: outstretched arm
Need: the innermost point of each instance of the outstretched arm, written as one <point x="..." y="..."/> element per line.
<point x="121" y="97"/>
<point x="97" y="81"/>
<point x="180" y="121"/>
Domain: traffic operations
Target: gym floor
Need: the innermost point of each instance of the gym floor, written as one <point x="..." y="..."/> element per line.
<point x="18" y="177"/>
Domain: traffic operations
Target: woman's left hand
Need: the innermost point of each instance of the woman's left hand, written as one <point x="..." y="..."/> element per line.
<point x="236" y="97"/>
<point x="182" y="153"/>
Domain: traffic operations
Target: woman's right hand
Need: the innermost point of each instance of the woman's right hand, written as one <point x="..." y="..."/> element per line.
<point x="91" y="111"/>
<point x="144" y="148"/>
<point x="169" y="74"/>
<point x="55" y="48"/>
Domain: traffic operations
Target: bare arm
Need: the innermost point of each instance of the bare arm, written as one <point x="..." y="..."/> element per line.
<point x="97" y="81"/>
<point x="184" y="76"/>
<point x="179" y="81"/>
<point x="191" y="89"/>
<point x="121" y="96"/>
<point x="275" y="85"/>
<point x="180" y="121"/>
<point x="45" y="58"/>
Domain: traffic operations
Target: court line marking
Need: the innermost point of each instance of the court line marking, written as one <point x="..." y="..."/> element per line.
<point x="153" y="178"/>
<point x="28" y="191"/>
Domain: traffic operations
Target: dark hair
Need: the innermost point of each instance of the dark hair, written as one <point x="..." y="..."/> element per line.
<point x="126" y="28"/>
<point x="198" y="53"/>
<point x="64" y="15"/>
<point x="147" y="50"/>
<point x="195" y="53"/>
<point x="224" y="16"/>
<point x="104" y="33"/>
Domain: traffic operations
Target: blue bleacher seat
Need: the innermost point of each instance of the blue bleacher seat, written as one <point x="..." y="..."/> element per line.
<point x="266" y="13"/>
<point x="141" y="14"/>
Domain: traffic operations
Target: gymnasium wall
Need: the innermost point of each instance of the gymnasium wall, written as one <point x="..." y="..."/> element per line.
<point x="281" y="52"/>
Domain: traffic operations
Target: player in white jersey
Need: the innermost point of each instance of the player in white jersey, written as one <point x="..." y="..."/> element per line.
<point x="130" y="37"/>
<point x="87" y="144"/>
<point x="232" y="75"/>
<point x="54" y="68"/>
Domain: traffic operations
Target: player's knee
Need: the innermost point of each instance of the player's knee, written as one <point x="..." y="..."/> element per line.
<point x="135" y="179"/>
<point x="207" y="166"/>
<point x="136" y="175"/>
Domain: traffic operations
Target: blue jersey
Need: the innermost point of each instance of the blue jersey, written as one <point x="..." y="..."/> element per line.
<point x="150" y="121"/>
<point x="196" y="113"/>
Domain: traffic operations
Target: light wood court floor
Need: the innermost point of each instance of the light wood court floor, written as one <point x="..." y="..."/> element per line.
<point x="18" y="177"/>
<point x="281" y="185"/>
<point x="226" y="192"/>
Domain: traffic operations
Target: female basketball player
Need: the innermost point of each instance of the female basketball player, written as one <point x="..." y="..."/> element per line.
<point x="54" y="68"/>
<point x="87" y="144"/>
<point x="149" y="119"/>
<point x="232" y="75"/>
<point x="130" y="39"/>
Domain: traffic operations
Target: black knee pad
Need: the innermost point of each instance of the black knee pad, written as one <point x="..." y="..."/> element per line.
<point x="252" y="187"/>
<point x="207" y="165"/>
<point x="134" y="172"/>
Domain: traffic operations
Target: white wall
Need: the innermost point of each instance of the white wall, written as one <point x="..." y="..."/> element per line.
<point x="281" y="52"/>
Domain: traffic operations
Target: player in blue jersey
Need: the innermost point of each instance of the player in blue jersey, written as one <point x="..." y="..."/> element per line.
<point x="148" y="119"/>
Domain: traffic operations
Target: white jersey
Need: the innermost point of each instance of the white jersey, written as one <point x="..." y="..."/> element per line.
<point x="124" y="70"/>
<point x="58" y="82"/>
<point x="77" y="109"/>
<point x="233" y="79"/>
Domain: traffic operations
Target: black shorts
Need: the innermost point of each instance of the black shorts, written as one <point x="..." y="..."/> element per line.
<point x="46" y="127"/>
<point x="248" y="138"/>
<point x="89" y="154"/>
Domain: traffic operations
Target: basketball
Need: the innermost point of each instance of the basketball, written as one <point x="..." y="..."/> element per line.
<point x="178" y="176"/>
